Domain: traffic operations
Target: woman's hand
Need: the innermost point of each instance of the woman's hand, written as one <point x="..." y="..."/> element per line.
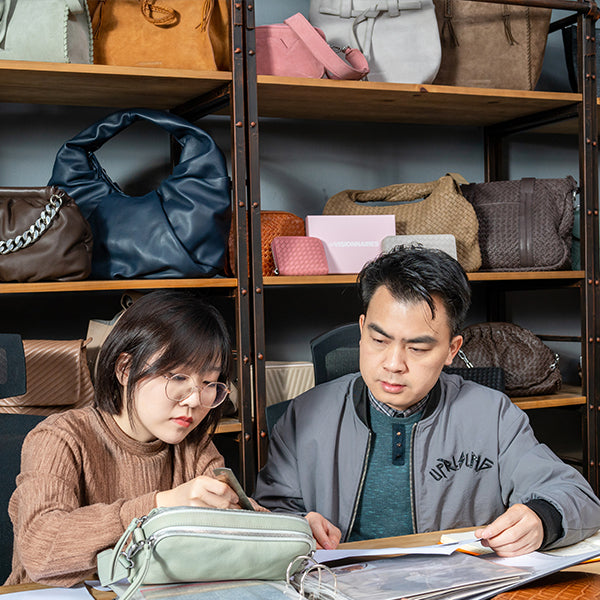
<point x="325" y="533"/>
<point x="200" y="491"/>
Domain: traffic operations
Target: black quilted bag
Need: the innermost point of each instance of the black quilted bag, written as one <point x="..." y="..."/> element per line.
<point x="524" y="225"/>
<point x="530" y="367"/>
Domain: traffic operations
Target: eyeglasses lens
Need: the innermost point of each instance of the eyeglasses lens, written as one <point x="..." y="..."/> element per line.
<point x="180" y="387"/>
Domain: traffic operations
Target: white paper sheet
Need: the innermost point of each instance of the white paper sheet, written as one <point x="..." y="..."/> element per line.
<point x="588" y="545"/>
<point x="322" y="556"/>
<point x="75" y="593"/>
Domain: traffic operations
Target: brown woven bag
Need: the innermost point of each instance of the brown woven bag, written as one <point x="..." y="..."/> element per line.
<point x="524" y="225"/>
<point x="491" y="45"/>
<point x="173" y="34"/>
<point x="273" y="223"/>
<point x="530" y="367"/>
<point x="420" y="208"/>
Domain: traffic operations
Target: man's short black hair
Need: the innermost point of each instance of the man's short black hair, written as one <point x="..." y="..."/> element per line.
<point x="414" y="274"/>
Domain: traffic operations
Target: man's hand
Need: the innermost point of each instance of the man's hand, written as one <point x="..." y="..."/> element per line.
<point x="518" y="531"/>
<point x="325" y="533"/>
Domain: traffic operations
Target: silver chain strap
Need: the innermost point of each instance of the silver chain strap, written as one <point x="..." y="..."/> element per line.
<point x="29" y="236"/>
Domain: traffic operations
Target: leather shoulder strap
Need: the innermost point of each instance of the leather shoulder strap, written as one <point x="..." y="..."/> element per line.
<point x="320" y="49"/>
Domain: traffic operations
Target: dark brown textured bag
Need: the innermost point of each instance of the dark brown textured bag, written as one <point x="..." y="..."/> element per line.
<point x="530" y="367"/>
<point x="491" y="45"/>
<point x="58" y="378"/>
<point x="43" y="236"/>
<point x="524" y="225"/>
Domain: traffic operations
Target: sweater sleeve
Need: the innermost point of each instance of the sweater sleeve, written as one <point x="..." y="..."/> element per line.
<point x="57" y="537"/>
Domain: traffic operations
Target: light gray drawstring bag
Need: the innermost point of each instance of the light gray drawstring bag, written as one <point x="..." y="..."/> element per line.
<point x="399" y="38"/>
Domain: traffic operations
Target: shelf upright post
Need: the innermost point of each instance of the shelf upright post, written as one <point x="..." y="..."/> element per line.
<point x="240" y="218"/>
<point x="588" y="144"/>
<point x="254" y="211"/>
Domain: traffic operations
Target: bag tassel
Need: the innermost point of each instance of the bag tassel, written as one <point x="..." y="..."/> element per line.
<point x="207" y="9"/>
<point x="448" y="31"/>
<point x="97" y="19"/>
<point x="507" y="27"/>
<point x="448" y="28"/>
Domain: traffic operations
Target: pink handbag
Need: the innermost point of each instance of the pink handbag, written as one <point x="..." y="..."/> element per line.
<point x="295" y="48"/>
<point x="299" y="255"/>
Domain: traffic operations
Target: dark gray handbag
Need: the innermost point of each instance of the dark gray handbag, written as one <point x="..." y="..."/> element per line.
<point x="524" y="225"/>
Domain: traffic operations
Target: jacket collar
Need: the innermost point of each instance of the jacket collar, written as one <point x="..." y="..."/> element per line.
<point x="360" y="397"/>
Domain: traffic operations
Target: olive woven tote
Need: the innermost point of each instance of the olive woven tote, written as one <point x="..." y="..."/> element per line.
<point x="420" y="208"/>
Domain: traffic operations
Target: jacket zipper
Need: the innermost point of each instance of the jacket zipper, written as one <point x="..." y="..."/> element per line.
<point x="360" y="486"/>
<point x="411" y="478"/>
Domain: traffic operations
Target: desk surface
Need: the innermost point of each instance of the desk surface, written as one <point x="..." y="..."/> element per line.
<point x="406" y="541"/>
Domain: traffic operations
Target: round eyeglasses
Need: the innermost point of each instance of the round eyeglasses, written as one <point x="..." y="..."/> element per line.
<point x="179" y="387"/>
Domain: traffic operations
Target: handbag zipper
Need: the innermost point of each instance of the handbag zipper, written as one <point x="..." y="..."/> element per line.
<point x="152" y="540"/>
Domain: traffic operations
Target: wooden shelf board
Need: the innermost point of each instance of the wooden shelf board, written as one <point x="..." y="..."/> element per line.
<point x="526" y="275"/>
<point x="567" y="396"/>
<point x="303" y="98"/>
<point x="229" y="426"/>
<point x="278" y="280"/>
<point x="103" y="85"/>
<point x="114" y="284"/>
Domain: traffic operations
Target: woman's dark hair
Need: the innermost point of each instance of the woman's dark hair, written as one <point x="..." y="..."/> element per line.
<point x="416" y="274"/>
<point x="178" y="328"/>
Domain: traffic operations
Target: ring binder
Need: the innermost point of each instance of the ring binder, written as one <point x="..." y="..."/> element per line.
<point x="303" y="571"/>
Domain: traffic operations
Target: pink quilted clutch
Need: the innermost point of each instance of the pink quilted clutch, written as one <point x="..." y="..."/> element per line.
<point x="299" y="255"/>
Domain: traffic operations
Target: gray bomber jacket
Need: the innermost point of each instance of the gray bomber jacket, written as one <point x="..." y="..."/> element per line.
<point x="473" y="453"/>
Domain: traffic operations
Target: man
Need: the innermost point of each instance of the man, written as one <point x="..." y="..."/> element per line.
<point x="402" y="447"/>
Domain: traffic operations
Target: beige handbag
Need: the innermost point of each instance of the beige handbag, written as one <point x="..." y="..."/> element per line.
<point x="420" y="208"/>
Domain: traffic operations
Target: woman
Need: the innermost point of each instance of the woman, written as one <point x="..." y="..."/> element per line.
<point x="86" y="473"/>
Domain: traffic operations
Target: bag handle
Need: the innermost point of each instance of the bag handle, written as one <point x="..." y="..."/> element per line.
<point x="77" y="156"/>
<point x="336" y="67"/>
<point x="35" y="231"/>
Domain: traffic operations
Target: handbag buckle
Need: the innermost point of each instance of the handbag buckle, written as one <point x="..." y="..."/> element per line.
<point x="339" y="49"/>
<point x="133" y="549"/>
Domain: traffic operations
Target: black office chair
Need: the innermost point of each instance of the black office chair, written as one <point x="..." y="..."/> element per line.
<point x="335" y="352"/>
<point x="13" y="429"/>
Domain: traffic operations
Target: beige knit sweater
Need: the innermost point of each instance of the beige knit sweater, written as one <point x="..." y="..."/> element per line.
<point x="82" y="482"/>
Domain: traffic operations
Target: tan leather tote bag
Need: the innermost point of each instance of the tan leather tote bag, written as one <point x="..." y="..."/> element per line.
<point x="420" y="208"/>
<point x="171" y="34"/>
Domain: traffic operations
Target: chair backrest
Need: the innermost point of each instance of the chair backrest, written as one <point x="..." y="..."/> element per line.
<point x="13" y="429"/>
<point x="335" y="352"/>
<point x="492" y="377"/>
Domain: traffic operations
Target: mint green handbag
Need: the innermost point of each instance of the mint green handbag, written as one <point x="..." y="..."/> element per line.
<point x="187" y="544"/>
<point x="48" y="31"/>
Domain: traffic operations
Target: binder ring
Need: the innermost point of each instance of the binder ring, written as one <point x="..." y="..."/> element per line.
<point x="315" y="566"/>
